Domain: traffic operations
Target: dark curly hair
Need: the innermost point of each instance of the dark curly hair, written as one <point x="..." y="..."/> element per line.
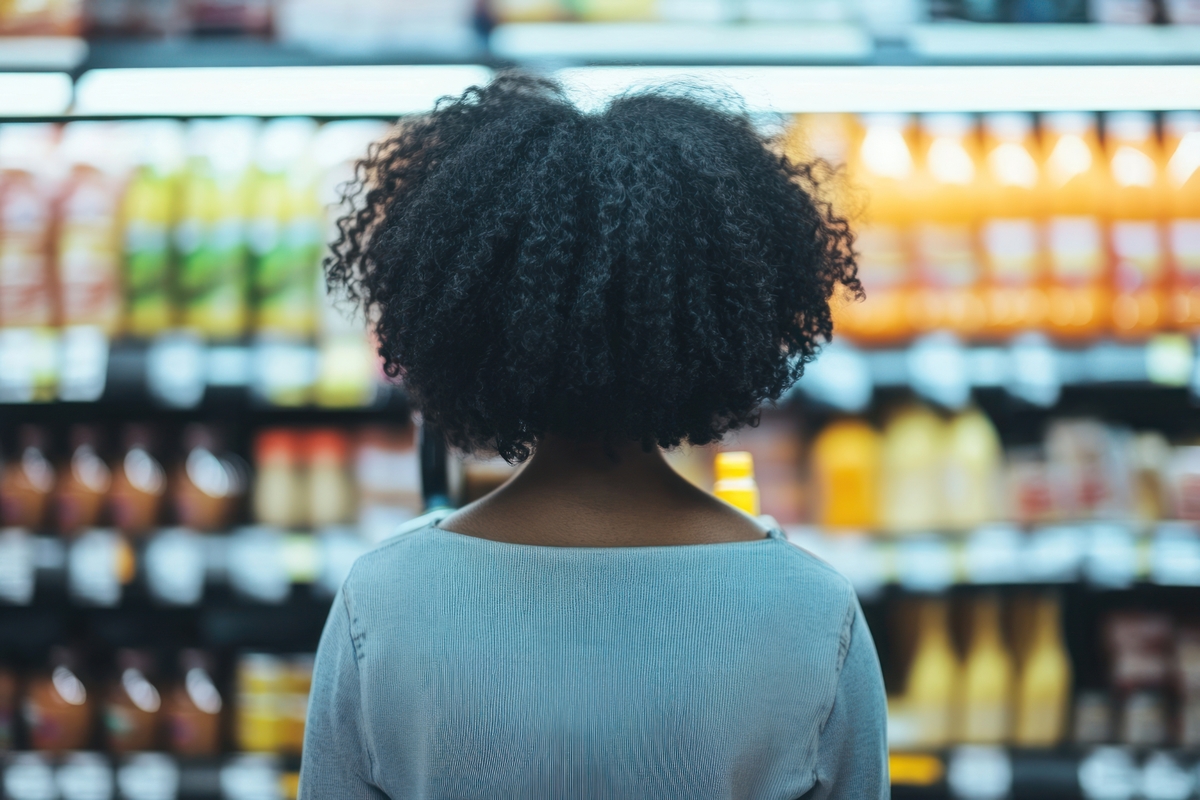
<point x="652" y="271"/>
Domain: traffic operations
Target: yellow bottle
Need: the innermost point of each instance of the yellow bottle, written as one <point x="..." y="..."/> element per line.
<point x="933" y="678"/>
<point x="912" y="475"/>
<point x="734" y="473"/>
<point x="845" y="470"/>
<point x="987" y="678"/>
<point x="973" y="471"/>
<point x="1045" y="682"/>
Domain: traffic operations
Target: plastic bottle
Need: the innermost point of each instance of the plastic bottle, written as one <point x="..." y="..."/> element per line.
<point x="132" y="705"/>
<point x="845" y="470"/>
<point x="933" y="677"/>
<point x="734" y="481"/>
<point x="8" y="708"/>
<point x="27" y="483"/>
<point x="974" y="468"/>
<point x="1077" y="186"/>
<point x="948" y="260"/>
<point x="149" y="214"/>
<point x="208" y="485"/>
<point x="987" y="686"/>
<point x="57" y="708"/>
<point x="139" y="484"/>
<point x="1044" y="687"/>
<point x="1011" y="234"/>
<point x="279" y="485"/>
<point x="1136" y="208"/>
<point x="81" y="495"/>
<point x="193" y="708"/>
<point x="1182" y="134"/>
<point x="914" y="442"/>
<point x="259" y="684"/>
<point x="882" y="165"/>
<point x="26" y="220"/>
<point x="330" y="490"/>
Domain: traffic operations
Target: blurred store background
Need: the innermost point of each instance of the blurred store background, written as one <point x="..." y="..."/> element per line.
<point x="1001" y="450"/>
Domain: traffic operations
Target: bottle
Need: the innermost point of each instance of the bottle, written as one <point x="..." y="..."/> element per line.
<point x="734" y="481"/>
<point x="987" y="685"/>
<point x="1011" y="234"/>
<point x="139" y="484"/>
<point x="933" y="677"/>
<point x="1077" y="187"/>
<point x="330" y="490"/>
<point x="149" y="213"/>
<point x="914" y="442"/>
<point x="8" y="708"/>
<point x="88" y="254"/>
<point x="1182" y="133"/>
<point x="882" y="164"/>
<point x="26" y="221"/>
<point x="259" y="684"/>
<point x="27" y="483"/>
<point x="81" y="495"/>
<point x="279" y="491"/>
<point x="193" y="709"/>
<point x="132" y="705"/>
<point x="296" y="687"/>
<point x="57" y="709"/>
<point x="387" y="472"/>
<point x="974" y="466"/>
<point x="1044" y="686"/>
<point x="948" y="195"/>
<point x="1136" y="210"/>
<point x="846" y="472"/>
<point x="208" y="486"/>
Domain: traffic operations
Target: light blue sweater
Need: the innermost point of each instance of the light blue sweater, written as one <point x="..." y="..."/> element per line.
<point x="458" y="667"/>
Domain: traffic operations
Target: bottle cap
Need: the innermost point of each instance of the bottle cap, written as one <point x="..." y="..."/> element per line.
<point x="275" y="445"/>
<point x="328" y="444"/>
<point x="734" y="465"/>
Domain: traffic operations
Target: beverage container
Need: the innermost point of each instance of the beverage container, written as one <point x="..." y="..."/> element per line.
<point x="974" y="464"/>
<point x="295" y="688"/>
<point x="150" y="210"/>
<point x="933" y="677"/>
<point x="1044" y="685"/>
<point x="734" y="481"/>
<point x="330" y="489"/>
<point x="914" y="442"/>
<point x="1076" y="181"/>
<point x="1181" y="131"/>
<point x="132" y="705"/>
<point x="845" y="471"/>
<point x="1011" y="236"/>
<point x="1136" y="209"/>
<point x="57" y="709"/>
<point x="139" y="484"/>
<point x="260" y="679"/>
<point x="193" y="708"/>
<point x="27" y="297"/>
<point x="279" y="484"/>
<point x="27" y="482"/>
<point x="82" y="491"/>
<point x="210" y="484"/>
<point x="987" y="678"/>
<point x="8" y="708"/>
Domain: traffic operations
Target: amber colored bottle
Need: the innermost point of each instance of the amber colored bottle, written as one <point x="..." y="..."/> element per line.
<point x="193" y="708"/>
<point x="81" y="495"/>
<point x="1076" y="181"/>
<point x="139" y="484"/>
<point x="987" y="685"/>
<point x="1011" y="235"/>
<point x="845" y="471"/>
<point x="208" y="485"/>
<point x="1044" y="686"/>
<point x="1137" y="205"/>
<point x="27" y="483"/>
<point x="8" y="707"/>
<point x="933" y="677"/>
<point x="1182" y="134"/>
<point x="132" y="705"/>
<point x="57" y="709"/>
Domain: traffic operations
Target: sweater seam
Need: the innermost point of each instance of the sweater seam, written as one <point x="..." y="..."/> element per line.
<point x="358" y="678"/>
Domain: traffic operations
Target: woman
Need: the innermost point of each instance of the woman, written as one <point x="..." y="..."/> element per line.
<point x="577" y="291"/>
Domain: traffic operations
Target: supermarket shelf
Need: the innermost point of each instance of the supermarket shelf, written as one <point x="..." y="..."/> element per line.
<point x="966" y="43"/>
<point x="34" y="94"/>
<point x="45" y="53"/>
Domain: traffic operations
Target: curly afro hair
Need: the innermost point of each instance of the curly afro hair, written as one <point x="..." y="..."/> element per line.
<point x="651" y="271"/>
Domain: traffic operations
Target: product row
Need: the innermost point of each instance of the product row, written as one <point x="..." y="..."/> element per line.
<point x="993" y="670"/>
<point x="921" y="471"/>
<point x="217" y="226"/>
<point x="136" y="479"/>
<point x="993" y="226"/>
<point x="137" y="703"/>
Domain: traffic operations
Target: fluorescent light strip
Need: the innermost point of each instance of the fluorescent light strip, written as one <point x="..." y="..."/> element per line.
<point x="272" y="91"/>
<point x="861" y="89"/>
<point x="34" y="94"/>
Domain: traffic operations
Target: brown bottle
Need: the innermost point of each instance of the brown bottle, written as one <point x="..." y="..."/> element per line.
<point x="8" y="707"/>
<point x="27" y="482"/>
<point x="58" y="707"/>
<point x="208" y="485"/>
<point x="193" y="708"/>
<point x="83" y="485"/>
<point x="139" y="484"/>
<point x="132" y="705"/>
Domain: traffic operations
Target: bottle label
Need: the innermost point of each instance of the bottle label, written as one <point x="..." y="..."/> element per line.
<point x="1011" y="246"/>
<point x="883" y="257"/>
<point x="1076" y="249"/>
<point x="947" y="255"/>
<point x="1183" y="238"/>
<point x="1138" y="254"/>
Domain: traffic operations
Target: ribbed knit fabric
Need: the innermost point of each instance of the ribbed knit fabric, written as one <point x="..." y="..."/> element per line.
<point x="458" y="667"/>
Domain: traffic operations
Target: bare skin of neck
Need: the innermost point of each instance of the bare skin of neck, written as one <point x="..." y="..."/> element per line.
<point x="583" y="494"/>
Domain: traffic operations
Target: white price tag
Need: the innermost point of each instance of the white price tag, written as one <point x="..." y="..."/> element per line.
<point x="16" y="566"/>
<point x="148" y="776"/>
<point x="1036" y="376"/>
<point x="1108" y="773"/>
<point x="175" y="567"/>
<point x="84" y="370"/>
<point x="992" y="555"/>
<point x="284" y="372"/>
<point x="339" y="549"/>
<point x="839" y="377"/>
<point x="85" y="776"/>
<point x="860" y="558"/>
<point x="1164" y="778"/>
<point x="925" y="564"/>
<point x="256" y="564"/>
<point x="28" y="776"/>
<point x="1175" y="555"/>
<point x="175" y="371"/>
<point x="28" y="365"/>
<point x="300" y="558"/>
<point x="93" y="573"/>
<point x="1053" y="555"/>
<point x="250" y="777"/>
<point x="937" y="370"/>
<point x="1111" y="560"/>
<point x="1170" y="360"/>
<point x="980" y="773"/>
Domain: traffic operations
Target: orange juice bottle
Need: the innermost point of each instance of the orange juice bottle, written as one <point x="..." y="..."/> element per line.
<point x="913" y="464"/>
<point x="845" y="471"/>
<point x="1077" y="185"/>
<point x="881" y="163"/>
<point x="947" y="261"/>
<point x="1011" y="233"/>
<point x="1136" y="208"/>
<point x="1182" y="134"/>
